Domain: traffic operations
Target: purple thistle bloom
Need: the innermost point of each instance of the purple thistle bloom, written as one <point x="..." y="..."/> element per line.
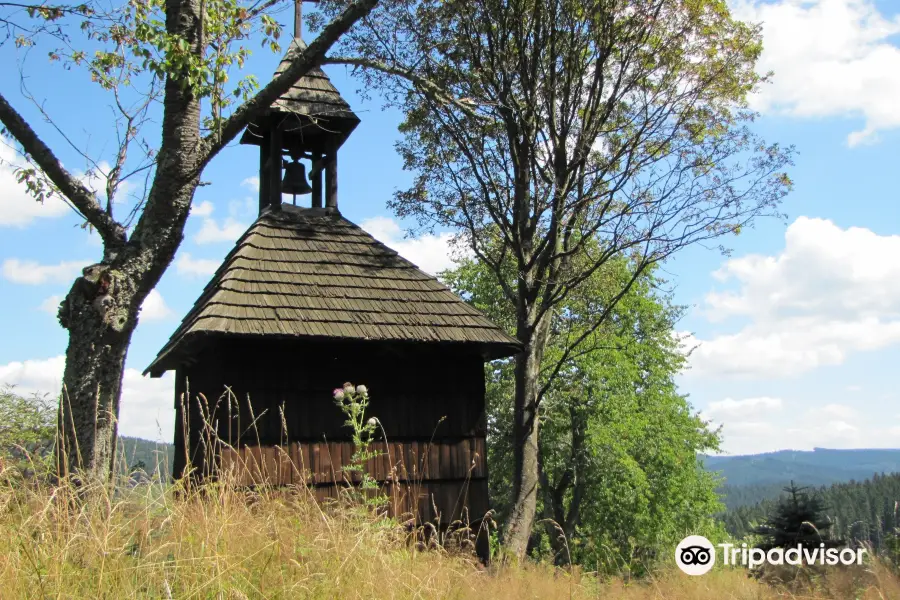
<point x="338" y="394"/>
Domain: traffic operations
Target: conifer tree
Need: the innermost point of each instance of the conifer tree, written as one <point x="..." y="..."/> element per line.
<point x="798" y="518"/>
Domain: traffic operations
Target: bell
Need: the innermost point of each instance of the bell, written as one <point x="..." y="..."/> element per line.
<point x="295" y="181"/>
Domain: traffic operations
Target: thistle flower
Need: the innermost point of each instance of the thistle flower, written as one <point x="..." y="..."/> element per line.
<point x="361" y="389"/>
<point x="348" y="388"/>
<point x="372" y="422"/>
<point x="338" y="394"/>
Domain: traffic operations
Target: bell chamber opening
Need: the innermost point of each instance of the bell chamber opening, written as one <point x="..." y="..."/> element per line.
<point x="294" y="172"/>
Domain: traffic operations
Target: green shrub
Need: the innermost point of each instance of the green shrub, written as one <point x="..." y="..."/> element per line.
<point x="27" y="432"/>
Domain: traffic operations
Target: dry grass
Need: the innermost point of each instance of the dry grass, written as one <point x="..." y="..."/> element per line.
<point x="221" y="542"/>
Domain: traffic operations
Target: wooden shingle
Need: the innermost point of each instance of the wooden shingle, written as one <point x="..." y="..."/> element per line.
<point x="310" y="109"/>
<point x="311" y="273"/>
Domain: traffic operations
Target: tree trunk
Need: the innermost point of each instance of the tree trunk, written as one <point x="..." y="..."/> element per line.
<point x="561" y="530"/>
<point x="99" y="335"/>
<point x="101" y="310"/>
<point x="525" y="437"/>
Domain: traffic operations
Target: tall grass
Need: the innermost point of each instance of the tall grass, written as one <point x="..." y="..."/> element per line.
<point x="222" y="541"/>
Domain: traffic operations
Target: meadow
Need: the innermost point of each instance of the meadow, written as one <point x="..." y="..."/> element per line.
<point x="223" y="542"/>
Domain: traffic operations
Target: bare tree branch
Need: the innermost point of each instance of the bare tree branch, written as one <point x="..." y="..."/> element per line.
<point x="112" y="233"/>
<point x="424" y="85"/>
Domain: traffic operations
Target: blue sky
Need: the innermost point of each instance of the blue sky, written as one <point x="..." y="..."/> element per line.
<point x="796" y="334"/>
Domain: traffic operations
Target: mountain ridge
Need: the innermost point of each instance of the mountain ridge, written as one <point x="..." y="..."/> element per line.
<point x="820" y="466"/>
<point x="752" y="478"/>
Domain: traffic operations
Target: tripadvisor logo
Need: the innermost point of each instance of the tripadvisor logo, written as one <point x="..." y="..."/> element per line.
<point x="695" y="555"/>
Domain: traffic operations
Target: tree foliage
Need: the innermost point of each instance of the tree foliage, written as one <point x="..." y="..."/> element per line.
<point x="620" y="482"/>
<point x="861" y="512"/>
<point x="798" y="519"/>
<point x="27" y="428"/>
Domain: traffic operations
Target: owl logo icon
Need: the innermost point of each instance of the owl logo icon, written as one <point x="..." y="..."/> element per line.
<point x="695" y="555"/>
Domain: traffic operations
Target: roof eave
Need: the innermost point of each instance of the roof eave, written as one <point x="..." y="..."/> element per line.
<point x="168" y="359"/>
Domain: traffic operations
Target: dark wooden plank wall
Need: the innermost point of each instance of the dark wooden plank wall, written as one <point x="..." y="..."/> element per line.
<point x="414" y="394"/>
<point x="419" y="479"/>
<point x="429" y="400"/>
<point x="317" y="463"/>
<point x="444" y="502"/>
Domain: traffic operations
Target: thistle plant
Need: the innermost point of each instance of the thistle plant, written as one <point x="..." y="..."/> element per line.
<point x="353" y="402"/>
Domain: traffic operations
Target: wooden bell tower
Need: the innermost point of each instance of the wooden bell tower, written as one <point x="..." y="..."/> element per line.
<point x="307" y="300"/>
<point x="308" y="123"/>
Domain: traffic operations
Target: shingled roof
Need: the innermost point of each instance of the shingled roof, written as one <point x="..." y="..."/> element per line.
<point x="310" y="273"/>
<point x="313" y="96"/>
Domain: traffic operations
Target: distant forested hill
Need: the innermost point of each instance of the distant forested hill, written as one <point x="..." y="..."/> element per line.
<point x="753" y="478"/>
<point x="152" y="457"/>
<point x="815" y="467"/>
<point x="867" y="511"/>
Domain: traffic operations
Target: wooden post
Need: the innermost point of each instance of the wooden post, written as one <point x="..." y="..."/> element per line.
<point x="263" y="174"/>
<point x="331" y="180"/>
<point x="316" y="178"/>
<point x="273" y="177"/>
<point x="298" y="18"/>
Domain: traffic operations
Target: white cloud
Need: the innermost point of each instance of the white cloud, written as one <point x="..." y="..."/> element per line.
<point x="17" y="208"/>
<point x="830" y="58"/>
<point x="202" y="209"/>
<point x="836" y="433"/>
<point x="147" y="407"/>
<point x="743" y="424"/>
<point x="756" y="425"/>
<point x="50" y="305"/>
<point x="211" y="233"/>
<point x="155" y="308"/>
<point x="245" y="209"/>
<point x="754" y="437"/>
<point x="431" y="253"/>
<point x="40" y="376"/>
<point x="750" y="437"/>
<point x="831" y="292"/>
<point x="749" y="428"/>
<point x="729" y="408"/>
<point x="839" y="411"/>
<point x="30" y="272"/>
<point x="856" y="264"/>
<point x="195" y="267"/>
<point x="252" y="183"/>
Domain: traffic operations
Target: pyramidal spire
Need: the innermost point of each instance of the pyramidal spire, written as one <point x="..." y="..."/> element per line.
<point x="314" y="99"/>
